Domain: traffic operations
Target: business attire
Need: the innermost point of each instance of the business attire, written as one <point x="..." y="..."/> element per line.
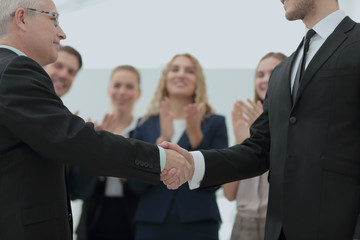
<point x="310" y="145"/>
<point x="179" y="214"/>
<point x="357" y="229"/>
<point x="38" y="135"/>
<point x="109" y="204"/>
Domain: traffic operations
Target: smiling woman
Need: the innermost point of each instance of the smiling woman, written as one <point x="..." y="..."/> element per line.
<point x="179" y="112"/>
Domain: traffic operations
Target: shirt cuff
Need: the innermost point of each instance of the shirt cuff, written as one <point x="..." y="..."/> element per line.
<point x="199" y="170"/>
<point x="162" y="155"/>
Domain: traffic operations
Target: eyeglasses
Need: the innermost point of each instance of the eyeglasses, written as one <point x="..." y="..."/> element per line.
<point x="52" y="14"/>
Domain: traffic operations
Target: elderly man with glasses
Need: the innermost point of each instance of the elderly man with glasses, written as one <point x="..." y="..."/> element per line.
<point x="38" y="134"/>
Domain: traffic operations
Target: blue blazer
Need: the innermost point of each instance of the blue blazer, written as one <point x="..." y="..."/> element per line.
<point x="191" y="205"/>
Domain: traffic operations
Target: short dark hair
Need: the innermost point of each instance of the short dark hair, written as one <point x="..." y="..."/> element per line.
<point x="72" y="51"/>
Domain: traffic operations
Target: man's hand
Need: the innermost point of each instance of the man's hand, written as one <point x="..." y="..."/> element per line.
<point x="171" y="176"/>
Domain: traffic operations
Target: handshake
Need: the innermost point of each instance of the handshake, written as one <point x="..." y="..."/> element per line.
<point x="179" y="167"/>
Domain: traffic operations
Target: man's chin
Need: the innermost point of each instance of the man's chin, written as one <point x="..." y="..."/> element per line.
<point x="59" y="92"/>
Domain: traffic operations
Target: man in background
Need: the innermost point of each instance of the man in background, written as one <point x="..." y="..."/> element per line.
<point x="63" y="71"/>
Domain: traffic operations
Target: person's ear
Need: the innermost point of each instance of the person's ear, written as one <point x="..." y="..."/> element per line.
<point x="20" y="18"/>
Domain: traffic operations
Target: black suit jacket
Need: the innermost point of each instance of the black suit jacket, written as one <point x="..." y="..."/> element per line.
<point x="311" y="146"/>
<point x="38" y="135"/>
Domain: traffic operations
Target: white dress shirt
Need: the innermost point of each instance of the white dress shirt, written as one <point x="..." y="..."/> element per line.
<point x="323" y="30"/>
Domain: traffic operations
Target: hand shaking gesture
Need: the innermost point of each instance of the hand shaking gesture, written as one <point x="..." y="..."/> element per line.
<point x="171" y="176"/>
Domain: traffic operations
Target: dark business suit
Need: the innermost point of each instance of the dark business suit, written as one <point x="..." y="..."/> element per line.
<point x="38" y="135"/>
<point x="160" y="207"/>
<point x="311" y="146"/>
<point x="357" y="229"/>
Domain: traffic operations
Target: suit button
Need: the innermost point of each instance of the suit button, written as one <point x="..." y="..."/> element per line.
<point x="293" y="120"/>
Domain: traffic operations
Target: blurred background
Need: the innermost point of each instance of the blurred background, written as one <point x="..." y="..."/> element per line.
<point x="228" y="37"/>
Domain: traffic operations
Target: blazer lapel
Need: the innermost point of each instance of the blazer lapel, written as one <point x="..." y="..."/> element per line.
<point x="184" y="141"/>
<point x="324" y="53"/>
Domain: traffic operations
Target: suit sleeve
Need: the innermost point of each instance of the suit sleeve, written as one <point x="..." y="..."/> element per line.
<point x="138" y="187"/>
<point x="242" y="161"/>
<point x="31" y="110"/>
<point x="215" y="137"/>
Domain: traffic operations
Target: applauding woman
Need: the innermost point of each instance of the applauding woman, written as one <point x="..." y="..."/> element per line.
<point x="109" y="204"/>
<point x="180" y="113"/>
<point x="251" y="194"/>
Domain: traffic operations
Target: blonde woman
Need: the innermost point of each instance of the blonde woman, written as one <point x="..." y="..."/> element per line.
<point x="180" y="112"/>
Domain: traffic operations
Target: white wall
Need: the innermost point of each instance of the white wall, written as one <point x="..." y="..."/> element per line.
<point x="222" y="34"/>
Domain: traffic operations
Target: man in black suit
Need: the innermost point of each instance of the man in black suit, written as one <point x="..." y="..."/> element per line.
<point x="308" y="136"/>
<point x="38" y="134"/>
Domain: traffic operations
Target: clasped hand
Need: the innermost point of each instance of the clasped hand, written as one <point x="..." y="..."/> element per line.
<point x="179" y="167"/>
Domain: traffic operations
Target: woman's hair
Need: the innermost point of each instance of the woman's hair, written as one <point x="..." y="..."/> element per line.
<point x="127" y="68"/>
<point x="200" y="95"/>
<point x="276" y="55"/>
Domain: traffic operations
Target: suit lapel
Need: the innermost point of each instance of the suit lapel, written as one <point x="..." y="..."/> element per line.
<point x="331" y="44"/>
<point x="184" y="141"/>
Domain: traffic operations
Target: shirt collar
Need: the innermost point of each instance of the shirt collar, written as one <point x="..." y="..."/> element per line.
<point x="328" y="24"/>
<point x="17" y="51"/>
<point x="130" y="128"/>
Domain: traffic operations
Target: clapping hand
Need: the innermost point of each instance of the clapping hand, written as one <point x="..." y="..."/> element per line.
<point x="193" y="116"/>
<point x="108" y="123"/>
<point x="179" y="167"/>
<point x="243" y="116"/>
<point x="166" y="121"/>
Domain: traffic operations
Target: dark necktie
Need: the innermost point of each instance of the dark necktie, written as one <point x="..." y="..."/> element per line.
<point x="300" y="71"/>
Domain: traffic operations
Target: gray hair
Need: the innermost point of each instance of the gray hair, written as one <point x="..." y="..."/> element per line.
<point x="7" y="7"/>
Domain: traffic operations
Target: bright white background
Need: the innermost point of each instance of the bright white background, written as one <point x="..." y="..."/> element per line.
<point x="228" y="37"/>
<point x="147" y="33"/>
